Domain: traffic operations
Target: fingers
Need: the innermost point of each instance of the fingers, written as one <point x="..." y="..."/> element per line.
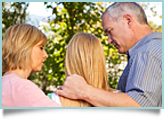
<point x="60" y="93"/>
<point x="72" y="87"/>
<point x="61" y="88"/>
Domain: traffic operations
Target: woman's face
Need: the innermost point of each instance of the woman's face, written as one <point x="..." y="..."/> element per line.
<point x="38" y="56"/>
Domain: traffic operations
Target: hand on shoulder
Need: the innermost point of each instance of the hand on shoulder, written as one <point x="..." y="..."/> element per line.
<point x="74" y="87"/>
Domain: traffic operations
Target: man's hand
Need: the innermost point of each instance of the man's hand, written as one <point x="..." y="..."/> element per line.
<point x="74" y="87"/>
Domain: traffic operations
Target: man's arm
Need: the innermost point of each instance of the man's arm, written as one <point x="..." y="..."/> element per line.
<point x="75" y="87"/>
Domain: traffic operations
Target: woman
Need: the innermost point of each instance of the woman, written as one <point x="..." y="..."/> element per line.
<point x="22" y="53"/>
<point x="85" y="57"/>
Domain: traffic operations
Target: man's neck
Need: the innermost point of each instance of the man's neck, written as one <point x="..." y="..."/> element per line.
<point x="142" y="31"/>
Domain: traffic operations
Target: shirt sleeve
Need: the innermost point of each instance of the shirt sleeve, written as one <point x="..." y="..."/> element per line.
<point x="144" y="84"/>
<point x="27" y="94"/>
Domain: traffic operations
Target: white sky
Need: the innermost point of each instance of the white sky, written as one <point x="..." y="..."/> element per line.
<point x="38" y="8"/>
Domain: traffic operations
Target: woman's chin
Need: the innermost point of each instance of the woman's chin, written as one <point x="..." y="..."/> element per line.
<point x="36" y="70"/>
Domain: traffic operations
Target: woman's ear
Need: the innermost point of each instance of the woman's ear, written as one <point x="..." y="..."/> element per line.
<point x="128" y="18"/>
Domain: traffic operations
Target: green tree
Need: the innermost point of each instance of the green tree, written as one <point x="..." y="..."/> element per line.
<point x="13" y="13"/>
<point x="71" y="18"/>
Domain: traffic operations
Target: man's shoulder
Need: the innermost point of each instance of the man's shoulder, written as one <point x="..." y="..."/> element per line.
<point x="153" y="48"/>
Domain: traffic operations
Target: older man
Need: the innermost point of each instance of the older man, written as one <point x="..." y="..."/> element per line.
<point x="125" y="24"/>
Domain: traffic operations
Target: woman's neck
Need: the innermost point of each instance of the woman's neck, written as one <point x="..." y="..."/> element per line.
<point x="21" y="73"/>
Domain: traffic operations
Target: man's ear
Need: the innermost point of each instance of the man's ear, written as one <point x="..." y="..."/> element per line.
<point x="128" y="18"/>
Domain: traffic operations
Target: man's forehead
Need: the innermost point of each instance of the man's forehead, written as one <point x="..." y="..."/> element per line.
<point x="106" y="15"/>
<point x="105" y="21"/>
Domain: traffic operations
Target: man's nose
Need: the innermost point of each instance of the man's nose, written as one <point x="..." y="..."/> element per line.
<point x="110" y="40"/>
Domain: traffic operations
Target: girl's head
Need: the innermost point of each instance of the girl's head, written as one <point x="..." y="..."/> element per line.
<point x="17" y="46"/>
<point x="85" y="57"/>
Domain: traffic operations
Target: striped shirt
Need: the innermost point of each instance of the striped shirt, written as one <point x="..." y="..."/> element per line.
<point x="142" y="77"/>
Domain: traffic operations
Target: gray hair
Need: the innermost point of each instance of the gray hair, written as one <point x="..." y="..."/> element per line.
<point x="118" y="9"/>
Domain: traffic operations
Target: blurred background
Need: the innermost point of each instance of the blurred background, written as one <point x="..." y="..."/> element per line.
<point x="60" y="21"/>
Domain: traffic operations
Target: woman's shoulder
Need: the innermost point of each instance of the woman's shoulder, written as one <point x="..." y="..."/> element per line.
<point x="24" y="93"/>
<point x="17" y="86"/>
<point x="15" y="90"/>
<point x="16" y="83"/>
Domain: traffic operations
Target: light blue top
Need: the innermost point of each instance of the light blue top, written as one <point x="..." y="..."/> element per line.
<point x="142" y="77"/>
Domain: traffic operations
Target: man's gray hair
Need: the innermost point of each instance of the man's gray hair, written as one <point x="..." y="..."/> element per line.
<point x="118" y="9"/>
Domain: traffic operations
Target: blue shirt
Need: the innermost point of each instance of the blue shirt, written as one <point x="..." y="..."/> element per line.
<point x="142" y="77"/>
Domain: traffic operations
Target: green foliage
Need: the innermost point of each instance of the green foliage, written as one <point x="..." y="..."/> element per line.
<point x="70" y="18"/>
<point x="13" y="13"/>
<point x="154" y="27"/>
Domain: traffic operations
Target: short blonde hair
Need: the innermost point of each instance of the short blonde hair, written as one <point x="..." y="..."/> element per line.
<point x="85" y="57"/>
<point x="17" y="45"/>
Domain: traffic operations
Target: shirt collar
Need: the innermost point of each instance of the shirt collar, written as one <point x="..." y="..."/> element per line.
<point x="144" y="40"/>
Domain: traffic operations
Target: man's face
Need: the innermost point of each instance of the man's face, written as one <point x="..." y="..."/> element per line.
<point x="117" y="33"/>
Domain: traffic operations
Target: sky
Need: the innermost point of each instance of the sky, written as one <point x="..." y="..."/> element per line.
<point x="42" y="11"/>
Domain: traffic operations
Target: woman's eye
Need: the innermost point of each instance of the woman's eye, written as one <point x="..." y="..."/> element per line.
<point x="41" y="48"/>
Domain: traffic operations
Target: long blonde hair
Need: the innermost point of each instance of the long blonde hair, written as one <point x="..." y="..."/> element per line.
<point x="85" y="57"/>
<point x="17" y="45"/>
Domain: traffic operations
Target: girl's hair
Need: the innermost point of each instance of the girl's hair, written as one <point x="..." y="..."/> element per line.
<point x="17" y="45"/>
<point x="85" y="57"/>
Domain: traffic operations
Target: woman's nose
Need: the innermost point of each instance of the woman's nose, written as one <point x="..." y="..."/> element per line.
<point x="45" y="55"/>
